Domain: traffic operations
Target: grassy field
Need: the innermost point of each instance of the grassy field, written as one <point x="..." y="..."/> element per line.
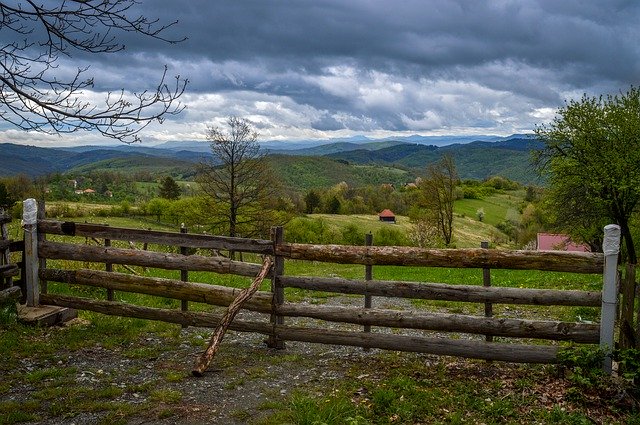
<point x="497" y="208"/>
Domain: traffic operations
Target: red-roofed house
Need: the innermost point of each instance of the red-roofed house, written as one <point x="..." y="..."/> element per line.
<point x="558" y="242"/>
<point x="387" y="215"/>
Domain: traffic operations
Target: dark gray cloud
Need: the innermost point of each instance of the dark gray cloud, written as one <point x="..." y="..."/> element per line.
<point x="322" y="68"/>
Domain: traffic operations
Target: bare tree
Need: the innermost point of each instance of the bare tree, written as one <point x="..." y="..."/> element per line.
<point x="35" y="95"/>
<point x="438" y="195"/>
<point x="239" y="181"/>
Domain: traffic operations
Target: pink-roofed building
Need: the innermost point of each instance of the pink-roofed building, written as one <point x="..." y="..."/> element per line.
<point x="558" y="242"/>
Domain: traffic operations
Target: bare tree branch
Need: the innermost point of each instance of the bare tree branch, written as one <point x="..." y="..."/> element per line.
<point x="34" y="98"/>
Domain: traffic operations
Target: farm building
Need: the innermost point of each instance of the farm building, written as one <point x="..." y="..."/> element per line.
<point x="387" y="215"/>
<point x="558" y="242"/>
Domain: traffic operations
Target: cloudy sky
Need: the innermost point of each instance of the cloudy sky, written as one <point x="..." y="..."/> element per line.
<point x="321" y="69"/>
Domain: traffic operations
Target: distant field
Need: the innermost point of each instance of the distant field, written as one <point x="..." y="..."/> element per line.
<point x="497" y="208"/>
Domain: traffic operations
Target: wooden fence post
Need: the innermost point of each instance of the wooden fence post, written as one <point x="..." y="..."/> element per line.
<point x="627" y="337"/>
<point x="30" y="226"/>
<point x="368" y="276"/>
<point x="486" y="282"/>
<point x="184" y="274"/>
<point x="5" y="253"/>
<point x="277" y="288"/>
<point x="109" y="268"/>
<point x="42" y="262"/>
<point x="611" y="248"/>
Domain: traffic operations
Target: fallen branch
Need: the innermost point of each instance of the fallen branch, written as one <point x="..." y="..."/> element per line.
<point x="216" y="338"/>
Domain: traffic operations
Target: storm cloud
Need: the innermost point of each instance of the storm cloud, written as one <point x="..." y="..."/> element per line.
<point x="321" y="69"/>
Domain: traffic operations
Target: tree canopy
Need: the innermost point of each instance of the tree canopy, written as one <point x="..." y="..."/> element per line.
<point x="37" y="93"/>
<point x="239" y="181"/>
<point x="591" y="158"/>
<point x="169" y="189"/>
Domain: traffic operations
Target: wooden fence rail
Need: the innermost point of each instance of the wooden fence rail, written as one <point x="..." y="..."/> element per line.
<point x="573" y="262"/>
<point x="445" y="292"/>
<point x="168" y="261"/>
<point x="154" y="236"/>
<point x="276" y="309"/>
<point x="519" y="353"/>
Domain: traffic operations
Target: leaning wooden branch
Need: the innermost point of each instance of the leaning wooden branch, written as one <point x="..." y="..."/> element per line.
<point x="216" y="338"/>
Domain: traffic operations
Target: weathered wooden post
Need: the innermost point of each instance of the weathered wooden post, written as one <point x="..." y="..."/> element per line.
<point x="486" y="282"/>
<point x="30" y="226"/>
<point x="277" y="289"/>
<point x="368" y="276"/>
<point x="109" y="268"/>
<point x="42" y="262"/>
<point x="184" y="274"/>
<point x="611" y="249"/>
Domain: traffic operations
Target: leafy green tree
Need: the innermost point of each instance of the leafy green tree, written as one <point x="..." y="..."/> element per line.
<point x="169" y="189"/>
<point x="591" y="158"/>
<point x="311" y="201"/>
<point x="333" y="206"/>
<point x="6" y="199"/>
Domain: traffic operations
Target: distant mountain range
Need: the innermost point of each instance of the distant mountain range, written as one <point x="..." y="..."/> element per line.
<point x="402" y="159"/>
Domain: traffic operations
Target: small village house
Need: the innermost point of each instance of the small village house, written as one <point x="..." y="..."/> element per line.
<point x="387" y="215"/>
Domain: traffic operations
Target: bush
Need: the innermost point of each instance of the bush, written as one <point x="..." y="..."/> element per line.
<point x="388" y="236"/>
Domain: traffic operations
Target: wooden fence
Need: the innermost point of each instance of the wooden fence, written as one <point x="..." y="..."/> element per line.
<point x="9" y="288"/>
<point x="276" y="308"/>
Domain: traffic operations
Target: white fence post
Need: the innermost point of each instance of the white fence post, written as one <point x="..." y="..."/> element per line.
<point x="611" y="249"/>
<point x="30" y="226"/>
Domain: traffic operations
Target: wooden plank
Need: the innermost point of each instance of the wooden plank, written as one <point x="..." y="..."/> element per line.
<point x="169" y="288"/>
<point x="441" y="291"/>
<point x="161" y="260"/>
<point x="441" y="346"/>
<point x="575" y="262"/>
<point x="16" y="246"/>
<point x="514" y="328"/>
<point x="277" y="289"/>
<point x="10" y="294"/>
<point x="5" y="217"/>
<point x="157" y="237"/>
<point x="9" y="270"/>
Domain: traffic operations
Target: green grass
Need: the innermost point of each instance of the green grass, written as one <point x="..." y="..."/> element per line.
<point x="409" y="391"/>
<point x="497" y="208"/>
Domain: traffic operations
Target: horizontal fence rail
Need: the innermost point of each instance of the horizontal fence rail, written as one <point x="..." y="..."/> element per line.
<point x="574" y="262"/>
<point x="162" y="287"/>
<point x="154" y="236"/>
<point x="445" y="292"/>
<point x="161" y="260"/>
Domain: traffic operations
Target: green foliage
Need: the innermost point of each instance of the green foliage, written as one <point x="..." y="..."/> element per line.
<point x="7" y="200"/>
<point x="585" y="363"/>
<point x="629" y="362"/>
<point x="388" y="236"/>
<point x="311" y="201"/>
<point x="591" y="155"/>
<point x="333" y="206"/>
<point x="169" y="189"/>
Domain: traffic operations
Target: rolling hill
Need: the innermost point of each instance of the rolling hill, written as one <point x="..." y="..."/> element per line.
<point x="357" y="163"/>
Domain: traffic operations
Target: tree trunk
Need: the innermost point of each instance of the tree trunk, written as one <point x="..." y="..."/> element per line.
<point x="628" y="240"/>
